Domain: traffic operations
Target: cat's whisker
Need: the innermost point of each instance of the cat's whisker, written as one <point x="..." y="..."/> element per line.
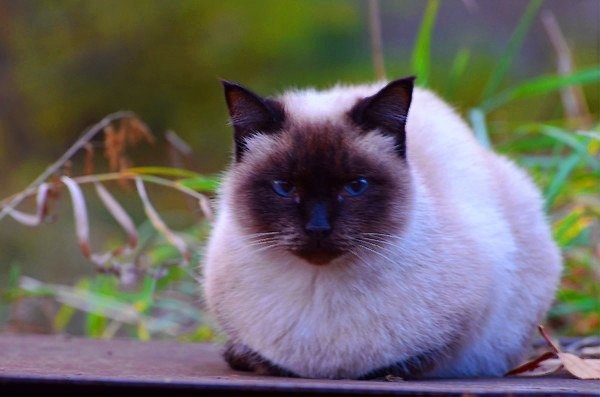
<point x="371" y="241"/>
<point x="259" y="235"/>
<point x="387" y="242"/>
<point x="257" y="248"/>
<point x="265" y="248"/>
<point x="261" y="240"/>
<point x="259" y="243"/>
<point x="363" y="260"/>
<point x="378" y="253"/>
<point x="379" y="234"/>
<point x="380" y="241"/>
<point x="375" y="244"/>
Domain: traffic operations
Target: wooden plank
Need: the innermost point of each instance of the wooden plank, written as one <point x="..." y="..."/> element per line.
<point x="73" y="365"/>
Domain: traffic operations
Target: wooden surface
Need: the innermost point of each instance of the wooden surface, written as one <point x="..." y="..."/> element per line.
<point x="47" y="364"/>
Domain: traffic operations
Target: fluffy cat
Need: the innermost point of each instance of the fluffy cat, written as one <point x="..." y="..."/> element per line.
<point x="363" y="231"/>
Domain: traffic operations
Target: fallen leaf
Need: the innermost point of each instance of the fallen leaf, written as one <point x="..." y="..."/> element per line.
<point x="543" y="365"/>
<point x="553" y="361"/>
<point x="552" y="344"/>
<point x="579" y="367"/>
<point x="592" y="351"/>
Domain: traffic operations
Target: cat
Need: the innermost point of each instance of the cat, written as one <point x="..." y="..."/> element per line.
<point x="362" y="231"/>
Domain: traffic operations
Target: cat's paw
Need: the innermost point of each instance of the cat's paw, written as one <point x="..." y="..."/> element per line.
<point x="241" y="358"/>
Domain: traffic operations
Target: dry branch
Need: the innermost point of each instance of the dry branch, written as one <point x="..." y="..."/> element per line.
<point x="573" y="99"/>
<point x="121" y="130"/>
<point x="376" y="40"/>
<point x="87" y="136"/>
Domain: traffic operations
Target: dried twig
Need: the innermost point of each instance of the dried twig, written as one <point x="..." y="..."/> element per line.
<point x="159" y="224"/>
<point x="180" y="152"/>
<point x="203" y="201"/>
<point x="81" y="142"/>
<point x="376" y="40"/>
<point x="573" y="99"/>
<point x="40" y="211"/>
<point x="121" y="129"/>
<point x="118" y="213"/>
<point x="178" y="143"/>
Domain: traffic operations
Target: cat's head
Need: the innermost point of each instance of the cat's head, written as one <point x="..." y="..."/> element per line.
<point x="320" y="187"/>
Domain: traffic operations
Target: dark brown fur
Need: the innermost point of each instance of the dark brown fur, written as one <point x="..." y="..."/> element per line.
<point x="241" y="358"/>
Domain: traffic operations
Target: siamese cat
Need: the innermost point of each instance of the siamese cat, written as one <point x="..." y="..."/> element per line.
<point x="363" y="231"/>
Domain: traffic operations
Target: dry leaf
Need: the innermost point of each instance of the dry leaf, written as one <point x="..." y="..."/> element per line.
<point x="539" y="366"/>
<point x="128" y="132"/>
<point x="88" y="167"/>
<point x="118" y="213"/>
<point x="552" y="344"/>
<point x="41" y="208"/>
<point x="579" y="367"/>
<point x="82" y="227"/>
<point x="591" y="351"/>
<point x="552" y="361"/>
<point x="136" y="131"/>
<point x="113" y="147"/>
<point x="159" y="224"/>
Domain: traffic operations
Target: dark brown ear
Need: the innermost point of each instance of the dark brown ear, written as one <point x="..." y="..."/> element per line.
<point x="387" y="111"/>
<point x="250" y="114"/>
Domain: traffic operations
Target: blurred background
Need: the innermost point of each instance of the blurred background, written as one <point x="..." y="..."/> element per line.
<point x="66" y="64"/>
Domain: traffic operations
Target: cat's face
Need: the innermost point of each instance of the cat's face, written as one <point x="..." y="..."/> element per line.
<point x="318" y="190"/>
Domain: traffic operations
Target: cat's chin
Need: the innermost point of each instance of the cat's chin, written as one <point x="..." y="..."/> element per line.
<point x="319" y="258"/>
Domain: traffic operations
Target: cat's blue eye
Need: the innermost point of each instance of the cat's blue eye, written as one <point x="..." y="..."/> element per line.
<point x="356" y="187"/>
<point x="283" y="188"/>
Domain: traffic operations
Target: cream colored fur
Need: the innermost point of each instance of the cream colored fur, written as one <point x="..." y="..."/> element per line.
<point x="476" y="265"/>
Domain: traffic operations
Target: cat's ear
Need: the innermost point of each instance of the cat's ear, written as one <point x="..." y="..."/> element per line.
<point x="387" y="111"/>
<point x="250" y="114"/>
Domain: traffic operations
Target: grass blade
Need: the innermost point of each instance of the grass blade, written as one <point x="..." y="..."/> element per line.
<point x="459" y="65"/>
<point x="163" y="171"/>
<point x="422" y="51"/>
<point x="541" y="85"/>
<point x="477" y="118"/>
<point x="569" y="228"/>
<point x="560" y="179"/>
<point x="515" y="42"/>
<point x="571" y="141"/>
<point x="85" y="300"/>
<point x="200" y="184"/>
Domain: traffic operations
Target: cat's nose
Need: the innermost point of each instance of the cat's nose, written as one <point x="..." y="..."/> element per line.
<point x="317" y="230"/>
<point x="318" y="224"/>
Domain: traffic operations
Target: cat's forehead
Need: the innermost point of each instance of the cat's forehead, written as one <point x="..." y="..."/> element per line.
<point x="310" y="105"/>
<point x="320" y="150"/>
